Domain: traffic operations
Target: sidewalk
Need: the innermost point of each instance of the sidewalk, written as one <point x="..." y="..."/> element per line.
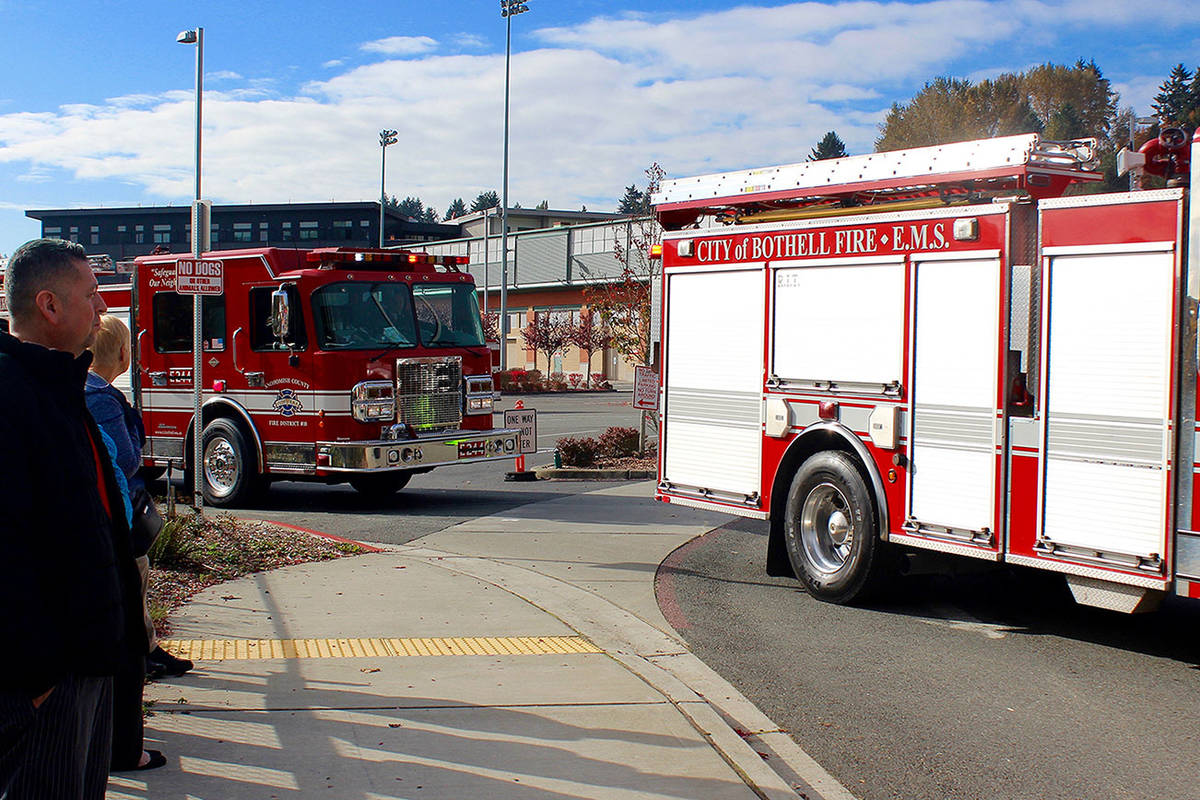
<point x="514" y="656"/>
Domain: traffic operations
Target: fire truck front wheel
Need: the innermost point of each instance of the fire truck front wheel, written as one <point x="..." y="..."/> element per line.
<point x="228" y="471"/>
<point x="830" y="530"/>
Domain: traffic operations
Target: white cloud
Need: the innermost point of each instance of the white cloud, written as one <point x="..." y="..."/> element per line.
<point x="400" y="46"/>
<point x="222" y="75"/>
<point x="590" y="109"/>
<point x="469" y="41"/>
<point x="337" y="62"/>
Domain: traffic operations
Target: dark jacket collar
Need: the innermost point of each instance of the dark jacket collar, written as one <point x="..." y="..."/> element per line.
<point x="51" y="366"/>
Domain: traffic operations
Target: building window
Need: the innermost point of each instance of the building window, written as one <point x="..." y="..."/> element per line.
<point x="52" y="233"/>
<point x="343" y="229"/>
<point x="308" y="230"/>
<point x="366" y="223"/>
<point x="242" y="232"/>
<point x="162" y="234"/>
<point x="287" y="231"/>
<point x="263" y="232"/>
<point x="214" y="232"/>
<point x="516" y="322"/>
<point x="121" y="228"/>
<point x="139" y="234"/>
<point x="95" y="234"/>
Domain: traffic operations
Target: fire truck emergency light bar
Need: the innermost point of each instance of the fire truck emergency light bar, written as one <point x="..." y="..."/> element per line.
<point x="1026" y="158"/>
<point x="337" y="255"/>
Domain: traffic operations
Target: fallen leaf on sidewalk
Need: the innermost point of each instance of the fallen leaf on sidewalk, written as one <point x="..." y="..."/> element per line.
<point x="369" y="669"/>
<point x="395" y="725"/>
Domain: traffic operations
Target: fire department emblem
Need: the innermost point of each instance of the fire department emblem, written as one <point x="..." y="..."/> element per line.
<point x="286" y="403"/>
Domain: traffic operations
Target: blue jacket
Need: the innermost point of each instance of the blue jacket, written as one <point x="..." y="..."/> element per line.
<point x="120" y="421"/>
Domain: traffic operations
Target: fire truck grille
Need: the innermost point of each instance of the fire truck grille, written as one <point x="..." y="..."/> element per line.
<point x="429" y="393"/>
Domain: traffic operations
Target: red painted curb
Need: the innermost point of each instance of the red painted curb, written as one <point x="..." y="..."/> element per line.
<point x="321" y="534"/>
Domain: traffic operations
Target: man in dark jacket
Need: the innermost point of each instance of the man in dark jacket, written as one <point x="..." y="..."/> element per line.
<point x="68" y="583"/>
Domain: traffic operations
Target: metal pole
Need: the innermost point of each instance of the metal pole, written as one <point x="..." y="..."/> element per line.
<point x="197" y="304"/>
<point x="382" y="191"/>
<point x="386" y="137"/>
<point x="504" y="208"/>
<point x="486" y="241"/>
<point x="1132" y="146"/>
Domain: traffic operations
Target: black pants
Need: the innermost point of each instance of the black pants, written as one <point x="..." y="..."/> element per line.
<point x="67" y="748"/>
<point x="127" y="722"/>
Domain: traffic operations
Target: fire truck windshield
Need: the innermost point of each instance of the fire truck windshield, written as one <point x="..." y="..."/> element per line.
<point x="363" y="316"/>
<point x="448" y="315"/>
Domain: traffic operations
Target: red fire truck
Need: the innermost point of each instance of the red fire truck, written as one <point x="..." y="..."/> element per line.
<point x="332" y="365"/>
<point x="940" y="349"/>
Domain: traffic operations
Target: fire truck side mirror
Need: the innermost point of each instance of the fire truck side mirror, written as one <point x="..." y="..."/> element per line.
<point x="280" y="314"/>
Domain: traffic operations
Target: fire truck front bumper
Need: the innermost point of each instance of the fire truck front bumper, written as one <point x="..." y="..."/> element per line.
<point x="456" y="447"/>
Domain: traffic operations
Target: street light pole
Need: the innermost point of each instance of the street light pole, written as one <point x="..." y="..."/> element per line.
<point x="508" y="10"/>
<point x="1134" y="121"/>
<point x="196" y="37"/>
<point x="386" y="137"/>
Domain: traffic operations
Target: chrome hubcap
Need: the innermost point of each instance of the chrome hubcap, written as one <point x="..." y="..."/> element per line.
<point x="221" y="467"/>
<point x="825" y="528"/>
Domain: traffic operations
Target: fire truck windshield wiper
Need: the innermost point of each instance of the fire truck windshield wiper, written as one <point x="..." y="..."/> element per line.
<point x="392" y="349"/>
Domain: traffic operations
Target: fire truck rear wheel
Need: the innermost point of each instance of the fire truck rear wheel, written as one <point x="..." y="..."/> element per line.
<point x="830" y="530"/>
<point x="383" y="484"/>
<point x="228" y="469"/>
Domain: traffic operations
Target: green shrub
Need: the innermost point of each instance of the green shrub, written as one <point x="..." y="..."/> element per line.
<point x="176" y="546"/>
<point x="618" y="442"/>
<point x="580" y="452"/>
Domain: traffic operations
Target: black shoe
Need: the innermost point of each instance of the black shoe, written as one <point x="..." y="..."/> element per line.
<point x="166" y="663"/>
<point x="155" y="759"/>
<point x="154" y="670"/>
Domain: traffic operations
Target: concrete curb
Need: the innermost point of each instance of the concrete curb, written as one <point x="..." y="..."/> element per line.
<point x="366" y="548"/>
<point x="588" y="474"/>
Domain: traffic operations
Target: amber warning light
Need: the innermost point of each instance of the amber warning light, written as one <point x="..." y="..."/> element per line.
<point x="656" y="251"/>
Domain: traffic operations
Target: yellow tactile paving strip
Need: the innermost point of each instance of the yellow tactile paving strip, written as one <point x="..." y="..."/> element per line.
<point x="254" y="649"/>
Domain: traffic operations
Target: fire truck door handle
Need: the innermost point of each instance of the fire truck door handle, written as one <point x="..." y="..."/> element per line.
<point x="236" y="365"/>
<point x="138" y="350"/>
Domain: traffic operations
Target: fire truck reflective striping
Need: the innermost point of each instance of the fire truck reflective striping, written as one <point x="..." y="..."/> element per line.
<point x="942" y="353"/>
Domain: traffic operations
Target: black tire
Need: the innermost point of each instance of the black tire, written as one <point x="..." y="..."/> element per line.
<point x="230" y="475"/>
<point x="380" y="485"/>
<point x="830" y="530"/>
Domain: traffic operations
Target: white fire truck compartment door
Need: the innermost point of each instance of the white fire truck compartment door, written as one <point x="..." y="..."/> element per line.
<point x="952" y="431"/>
<point x="1107" y="404"/>
<point x="713" y="376"/>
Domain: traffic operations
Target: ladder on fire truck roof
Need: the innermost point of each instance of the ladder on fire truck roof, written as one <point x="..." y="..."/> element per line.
<point x="1008" y="163"/>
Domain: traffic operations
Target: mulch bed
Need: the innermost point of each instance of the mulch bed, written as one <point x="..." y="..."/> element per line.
<point x="192" y="554"/>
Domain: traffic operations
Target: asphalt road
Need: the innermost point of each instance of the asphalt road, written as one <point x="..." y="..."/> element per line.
<point x="449" y="495"/>
<point x="988" y="684"/>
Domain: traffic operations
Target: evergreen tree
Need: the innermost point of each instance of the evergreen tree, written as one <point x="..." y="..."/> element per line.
<point x="1177" y="103"/>
<point x="635" y="201"/>
<point x="411" y="207"/>
<point x="488" y="199"/>
<point x="830" y="146"/>
<point x="457" y="209"/>
<point x="1065" y="124"/>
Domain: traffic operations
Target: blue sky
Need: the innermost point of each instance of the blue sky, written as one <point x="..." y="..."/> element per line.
<point x="96" y="99"/>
